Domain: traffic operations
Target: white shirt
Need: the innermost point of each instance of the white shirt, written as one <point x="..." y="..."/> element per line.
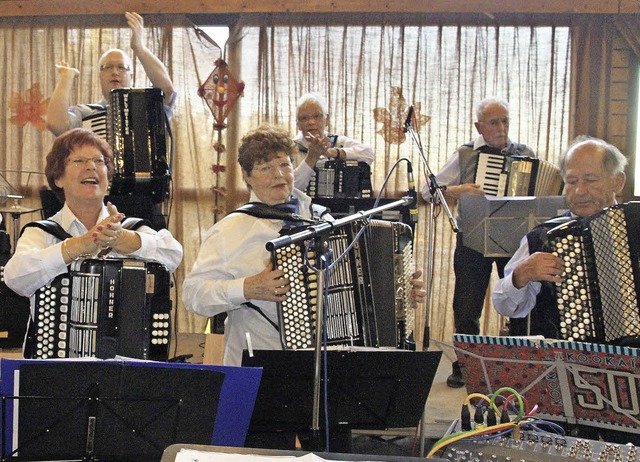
<point x="353" y="151"/>
<point x="507" y="299"/>
<point x="449" y="174"/>
<point x="38" y="256"/>
<point x="232" y="250"/>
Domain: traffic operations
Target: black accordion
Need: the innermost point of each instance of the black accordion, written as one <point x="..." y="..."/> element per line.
<point x="136" y="132"/>
<point x="368" y="293"/>
<point x="340" y="179"/>
<point x="598" y="300"/>
<point x="501" y="175"/>
<point x="103" y="308"/>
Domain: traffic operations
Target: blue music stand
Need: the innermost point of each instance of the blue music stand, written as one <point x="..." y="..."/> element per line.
<point x="208" y="403"/>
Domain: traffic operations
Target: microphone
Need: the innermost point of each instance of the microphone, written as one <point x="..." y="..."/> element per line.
<point x="413" y="208"/>
<point x="407" y="122"/>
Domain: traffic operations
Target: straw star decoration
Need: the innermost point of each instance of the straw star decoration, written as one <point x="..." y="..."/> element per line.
<point x="393" y="118"/>
<point x="29" y="108"/>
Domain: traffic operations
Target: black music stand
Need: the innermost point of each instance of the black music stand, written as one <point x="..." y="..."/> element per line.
<point x="14" y="309"/>
<point x="494" y="226"/>
<point x="104" y="410"/>
<point x="366" y="388"/>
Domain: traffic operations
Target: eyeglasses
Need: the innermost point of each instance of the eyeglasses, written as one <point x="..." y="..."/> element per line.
<point x="80" y="162"/>
<point x="313" y="117"/>
<point x="494" y="123"/>
<point x="268" y="169"/>
<point x="114" y="67"/>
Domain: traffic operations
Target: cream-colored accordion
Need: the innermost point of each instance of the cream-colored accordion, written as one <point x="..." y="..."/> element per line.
<point x="598" y="299"/>
<point x="368" y="294"/>
<point x="501" y="175"/>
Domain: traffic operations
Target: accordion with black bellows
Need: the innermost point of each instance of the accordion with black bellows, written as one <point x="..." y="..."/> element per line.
<point x="103" y="308"/>
<point x="598" y="300"/>
<point x="368" y="295"/>
<point x="136" y="132"/>
<point x="501" y="175"/>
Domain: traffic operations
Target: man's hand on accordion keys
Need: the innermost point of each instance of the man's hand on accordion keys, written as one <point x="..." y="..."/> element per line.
<point x="418" y="294"/>
<point x="269" y="284"/>
<point x="540" y="266"/>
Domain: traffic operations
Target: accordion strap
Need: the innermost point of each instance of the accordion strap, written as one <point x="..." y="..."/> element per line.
<point x="58" y="231"/>
<point x="259" y="310"/>
<point x="261" y="210"/>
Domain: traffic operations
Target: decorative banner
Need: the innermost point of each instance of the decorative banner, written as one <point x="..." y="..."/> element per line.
<point x="573" y="382"/>
<point x="221" y="91"/>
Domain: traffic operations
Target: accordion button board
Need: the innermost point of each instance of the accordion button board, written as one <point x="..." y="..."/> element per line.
<point x="367" y="298"/>
<point x="598" y="299"/>
<point x="103" y="308"/>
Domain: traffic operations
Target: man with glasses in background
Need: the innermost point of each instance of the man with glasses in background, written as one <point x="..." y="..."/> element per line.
<point x="315" y="143"/>
<point x="472" y="269"/>
<point x="115" y="71"/>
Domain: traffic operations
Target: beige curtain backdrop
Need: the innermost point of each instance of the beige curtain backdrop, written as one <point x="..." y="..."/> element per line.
<point x="32" y="47"/>
<point x="369" y="73"/>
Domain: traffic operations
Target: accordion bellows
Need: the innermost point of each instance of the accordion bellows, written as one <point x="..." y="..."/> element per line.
<point x="136" y="131"/>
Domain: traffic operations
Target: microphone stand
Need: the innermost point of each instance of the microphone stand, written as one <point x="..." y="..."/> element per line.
<point x="320" y="234"/>
<point x="437" y="197"/>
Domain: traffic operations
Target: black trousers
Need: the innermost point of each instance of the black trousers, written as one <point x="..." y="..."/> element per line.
<point x="473" y="272"/>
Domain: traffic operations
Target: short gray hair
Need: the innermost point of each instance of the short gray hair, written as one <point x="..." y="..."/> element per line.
<point x="482" y="105"/>
<point x="127" y="58"/>
<point x="313" y="97"/>
<point x="614" y="160"/>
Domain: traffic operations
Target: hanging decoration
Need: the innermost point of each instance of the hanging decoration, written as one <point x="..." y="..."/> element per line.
<point x="393" y="118"/>
<point x="29" y="108"/>
<point x="220" y="91"/>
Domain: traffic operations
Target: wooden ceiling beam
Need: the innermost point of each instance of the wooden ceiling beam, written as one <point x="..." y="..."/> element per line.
<point x="97" y="7"/>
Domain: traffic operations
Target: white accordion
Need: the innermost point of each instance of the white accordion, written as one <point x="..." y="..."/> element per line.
<point x="501" y="175"/>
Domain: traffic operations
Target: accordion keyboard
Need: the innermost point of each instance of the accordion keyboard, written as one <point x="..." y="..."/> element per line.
<point x="97" y="123"/>
<point x="489" y="173"/>
<point x="573" y="295"/>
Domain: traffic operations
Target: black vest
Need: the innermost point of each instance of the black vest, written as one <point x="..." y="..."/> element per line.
<point x="545" y="319"/>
